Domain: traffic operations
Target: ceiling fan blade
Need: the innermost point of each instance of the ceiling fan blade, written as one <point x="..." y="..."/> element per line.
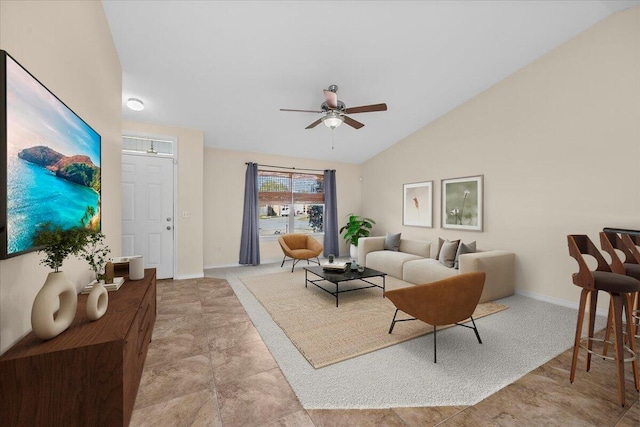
<point x="301" y="111"/>
<point x="314" y="124"/>
<point x="353" y="123"/>
<point x="331" y="98"/>
<point x="366" y="108"/>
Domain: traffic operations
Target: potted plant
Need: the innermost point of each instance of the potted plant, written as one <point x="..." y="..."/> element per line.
<point x="56" y="244"/>
<point x="95" y="252"/>
<point x="356" y="228"/>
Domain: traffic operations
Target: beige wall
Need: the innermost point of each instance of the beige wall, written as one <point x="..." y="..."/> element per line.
<point x="558" y="143"/>
<point x="189" y="233"/>
<point x="224" y="198"/>
<point x="67" y="45"/>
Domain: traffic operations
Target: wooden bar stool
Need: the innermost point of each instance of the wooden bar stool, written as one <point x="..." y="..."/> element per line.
<point x="632" y="241"/>
<point x="630" y="267"/>
<point x="617" y="286"/>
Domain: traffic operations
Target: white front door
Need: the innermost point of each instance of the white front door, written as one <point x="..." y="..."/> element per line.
<point x="147" y="211"/>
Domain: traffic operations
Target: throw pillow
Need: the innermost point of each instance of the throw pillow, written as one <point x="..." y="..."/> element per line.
<point x="440" y="243"/>
<point x="464" y="249"/>
<point x="447" y="254"/>
<point x="392" y="242"/>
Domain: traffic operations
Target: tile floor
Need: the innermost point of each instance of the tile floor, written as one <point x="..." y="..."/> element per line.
<point x="208" y="366"/>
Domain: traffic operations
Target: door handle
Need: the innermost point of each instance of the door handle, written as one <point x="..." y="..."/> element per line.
<point x="168" y="227"/>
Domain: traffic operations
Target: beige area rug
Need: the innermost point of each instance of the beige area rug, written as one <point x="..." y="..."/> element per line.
<point x="327" y="334"/>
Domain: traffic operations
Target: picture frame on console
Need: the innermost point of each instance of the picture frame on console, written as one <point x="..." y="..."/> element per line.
<point x="462" y="203"/>
<point x="417" y="204"/>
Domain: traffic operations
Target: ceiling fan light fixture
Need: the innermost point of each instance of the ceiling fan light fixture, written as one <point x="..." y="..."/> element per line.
<point x="135" y="104"/>
<point x="332" y="120"/>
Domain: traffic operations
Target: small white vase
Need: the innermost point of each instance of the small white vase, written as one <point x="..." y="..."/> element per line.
<point x="54" y="307"/>
<point x="353" y="252"/>
<point x="97" y="301"/>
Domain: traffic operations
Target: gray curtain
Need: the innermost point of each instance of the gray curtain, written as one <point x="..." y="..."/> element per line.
<point x="331" y="242"/>
<point x="250" y="240"/>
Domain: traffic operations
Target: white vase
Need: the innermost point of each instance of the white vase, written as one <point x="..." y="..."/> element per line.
<point x="97" y="301"/>
<point x="353" y="252"/>
<point x="54" y="307"/>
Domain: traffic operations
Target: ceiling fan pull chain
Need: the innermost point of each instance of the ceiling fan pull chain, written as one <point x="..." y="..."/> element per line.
<point x="333" y="130"/>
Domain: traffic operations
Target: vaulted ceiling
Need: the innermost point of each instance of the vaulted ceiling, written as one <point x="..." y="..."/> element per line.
<point x="227" y="67"/>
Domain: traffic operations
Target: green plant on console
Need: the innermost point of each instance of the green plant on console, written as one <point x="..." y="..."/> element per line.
<point x="95" y="252"/>
<point x="356" y="228"/>
<point x="58" y="243"/>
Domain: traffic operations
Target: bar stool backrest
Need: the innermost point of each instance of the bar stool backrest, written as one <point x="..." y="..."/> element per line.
<point x="632" y="241"/>
<point x="610" y="242"/>
<point x="580" y="244"/>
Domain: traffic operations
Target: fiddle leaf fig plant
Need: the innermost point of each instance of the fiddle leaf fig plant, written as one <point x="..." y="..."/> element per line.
<point x="356" y="228"/>
<point x="57" y="243"/>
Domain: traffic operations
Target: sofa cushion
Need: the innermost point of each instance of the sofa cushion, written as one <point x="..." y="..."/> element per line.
<point x="392" y="242"/>
<point x="426" y="270"/>
<point x="389" y="262"/>
<point x="421" y="248"/>
<point x="464" y="248"/>
<point x="447" y="255"/>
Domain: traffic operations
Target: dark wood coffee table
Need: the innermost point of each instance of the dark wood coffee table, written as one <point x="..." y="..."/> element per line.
<point x="347" y="276"/>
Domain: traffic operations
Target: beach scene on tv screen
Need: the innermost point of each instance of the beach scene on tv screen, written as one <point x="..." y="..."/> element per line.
<point x="53" y="163"/>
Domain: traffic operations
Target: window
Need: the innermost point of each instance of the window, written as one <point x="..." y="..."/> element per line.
<point x="148" y="145"/>
<point x="290" y="202"/>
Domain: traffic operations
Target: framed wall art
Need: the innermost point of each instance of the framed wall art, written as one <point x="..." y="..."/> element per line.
<point x="462" y="203"/>
<point x="417" y="207"/>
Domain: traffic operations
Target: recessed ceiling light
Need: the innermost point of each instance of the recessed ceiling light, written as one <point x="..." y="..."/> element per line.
<point x="135" y="104"/>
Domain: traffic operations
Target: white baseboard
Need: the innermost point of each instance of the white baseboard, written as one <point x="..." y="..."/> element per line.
<point x="189" y="276"/>
<point x="262" y="261"/>
<point x="557" y="301"/>
<point x="207" y="267"/>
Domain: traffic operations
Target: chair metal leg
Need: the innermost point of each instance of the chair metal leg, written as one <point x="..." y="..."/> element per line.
<point x="393" y="322"/>
<point x="435" y="344"/>
<point x="283" y="259"/>
<point x="475" y="329"/>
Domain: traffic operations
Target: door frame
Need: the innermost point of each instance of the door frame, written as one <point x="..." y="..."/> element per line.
<point x="174" y="157"/>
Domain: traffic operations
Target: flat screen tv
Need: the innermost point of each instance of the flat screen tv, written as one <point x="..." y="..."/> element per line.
<point x="50" y="170"/>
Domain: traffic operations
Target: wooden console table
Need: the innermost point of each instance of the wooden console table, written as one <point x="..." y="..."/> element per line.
<point x="89" y="374"/>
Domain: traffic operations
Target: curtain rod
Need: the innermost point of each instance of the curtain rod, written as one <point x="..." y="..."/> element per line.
<point x="285" y="167"/>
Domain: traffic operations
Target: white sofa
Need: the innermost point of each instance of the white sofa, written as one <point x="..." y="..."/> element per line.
<point x="416" y="263"/>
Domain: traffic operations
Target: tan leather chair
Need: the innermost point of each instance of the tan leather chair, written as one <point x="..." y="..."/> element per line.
<point x="299" y="247"/>
<point x="440" y="303"/>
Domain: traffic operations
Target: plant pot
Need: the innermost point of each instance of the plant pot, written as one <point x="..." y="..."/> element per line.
<point x="54" y="307"/>
<point x="353" y="252"/>
<point x="97" y="301"/>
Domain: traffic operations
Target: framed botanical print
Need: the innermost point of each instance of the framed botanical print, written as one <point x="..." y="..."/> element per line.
<point x="417" y="208"/>
<point x="462" y="203"/>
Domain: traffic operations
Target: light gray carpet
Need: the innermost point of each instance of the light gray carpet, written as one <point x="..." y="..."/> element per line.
<point x="515" y="341"/>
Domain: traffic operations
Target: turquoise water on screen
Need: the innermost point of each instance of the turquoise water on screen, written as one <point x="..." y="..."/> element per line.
<point x="34" y="196"/>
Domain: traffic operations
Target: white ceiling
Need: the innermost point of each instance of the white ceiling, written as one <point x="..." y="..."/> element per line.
<point x="227" y="67"/>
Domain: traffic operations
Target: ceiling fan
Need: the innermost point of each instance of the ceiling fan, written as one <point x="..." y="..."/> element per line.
<point x="335" y="111"/>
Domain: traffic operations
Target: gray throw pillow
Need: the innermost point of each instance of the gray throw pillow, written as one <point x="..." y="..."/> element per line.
<point x="464" y="249"/>
<point x="392" y="242"/>
<point x="447" y="254"/>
